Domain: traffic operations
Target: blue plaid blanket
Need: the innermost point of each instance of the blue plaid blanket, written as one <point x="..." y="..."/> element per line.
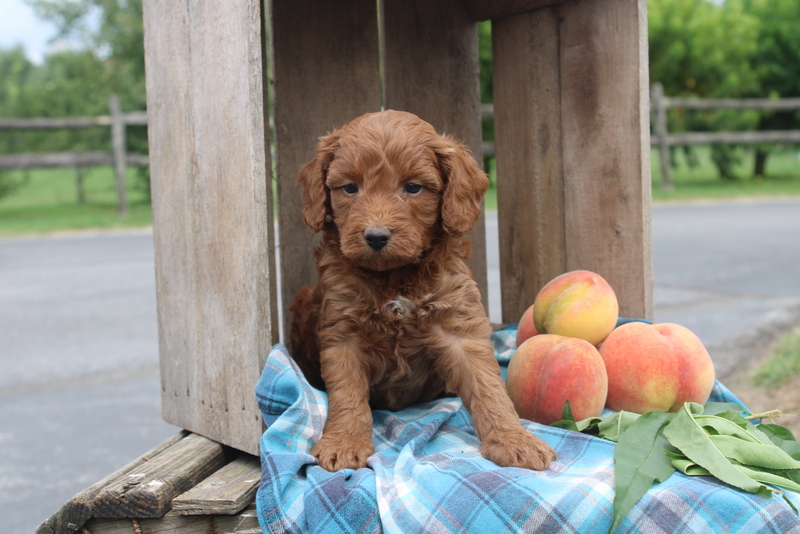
<point x="428" y="476"/>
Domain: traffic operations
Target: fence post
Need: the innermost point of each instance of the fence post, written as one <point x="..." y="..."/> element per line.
<point x="118" y="152"/>
<point x="657" y="94"/>
<point x="79" y="185"/>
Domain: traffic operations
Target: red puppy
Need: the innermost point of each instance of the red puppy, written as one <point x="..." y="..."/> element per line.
<point x="395" y="317"/>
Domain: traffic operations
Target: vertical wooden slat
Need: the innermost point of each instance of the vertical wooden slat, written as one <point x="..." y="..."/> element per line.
<point x="530" y="183"/>
<point x="431" y="69"/>
<point x="606" y="146"/>
<point x="271" y="185"/>
<point x="211" y="224"/>
<point x="326" y="73"/>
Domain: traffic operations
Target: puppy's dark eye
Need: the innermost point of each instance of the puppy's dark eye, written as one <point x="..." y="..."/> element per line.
<point x="413" y="189"/>
<point x="350" y="189"/>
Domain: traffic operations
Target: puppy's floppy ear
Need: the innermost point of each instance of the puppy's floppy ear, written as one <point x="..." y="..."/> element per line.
<point x="464" y="185"/>
<point x="312" y="181"/>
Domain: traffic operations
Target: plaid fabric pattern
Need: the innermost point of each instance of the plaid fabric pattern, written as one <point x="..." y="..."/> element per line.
<point x="428" y="476"/>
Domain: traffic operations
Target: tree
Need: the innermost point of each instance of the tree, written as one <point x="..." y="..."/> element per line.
<point x="111" y="30"/>
<point x="701" y="49"/>
<point x="777" y="61"/>
<point x="15" y="73"/>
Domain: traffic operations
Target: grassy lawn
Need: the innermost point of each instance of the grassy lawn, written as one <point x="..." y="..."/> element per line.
<point x="782" y="363"/>
<point x="47" y="200"/>
<point x="782" y="178"/>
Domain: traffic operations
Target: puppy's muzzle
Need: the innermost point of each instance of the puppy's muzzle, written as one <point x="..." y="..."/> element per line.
<point x="377" y="238"/>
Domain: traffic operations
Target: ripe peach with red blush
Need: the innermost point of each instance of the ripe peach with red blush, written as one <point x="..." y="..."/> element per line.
<point x="577" y="304"/>
<point x="656" y="367"/>
<point x="526" y="329"/>
<point x="547" y="370"/>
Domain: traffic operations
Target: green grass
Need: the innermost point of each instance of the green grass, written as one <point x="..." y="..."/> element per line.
<point x="46" y="200"/>
<point x="702" y="182"/>
<point x="782" y="363"/>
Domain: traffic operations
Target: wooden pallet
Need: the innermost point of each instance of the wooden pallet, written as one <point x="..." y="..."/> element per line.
<point x="188" y="484"/>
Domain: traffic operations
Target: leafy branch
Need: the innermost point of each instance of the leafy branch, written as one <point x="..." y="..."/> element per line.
<point x="716" y="439"/>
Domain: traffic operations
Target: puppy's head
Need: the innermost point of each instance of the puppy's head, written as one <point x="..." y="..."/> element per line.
<point x="390" y="182"/>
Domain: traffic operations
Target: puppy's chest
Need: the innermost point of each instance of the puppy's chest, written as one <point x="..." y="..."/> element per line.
<point x="400" y="326"/>
<point x="406" y="313"/>
<point x="403" y="352"/>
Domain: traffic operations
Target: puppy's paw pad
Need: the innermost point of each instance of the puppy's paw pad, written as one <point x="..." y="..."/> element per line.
<point x="335" y="453"/>
<point x="518" y="449"/>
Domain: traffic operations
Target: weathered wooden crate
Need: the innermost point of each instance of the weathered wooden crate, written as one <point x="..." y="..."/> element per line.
<point x="572" y="148"/>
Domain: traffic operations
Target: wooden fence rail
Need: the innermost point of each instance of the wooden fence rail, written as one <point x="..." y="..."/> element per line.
<point x="661" y="137"/>
<point x="118" y="157"/>
<point x="664" y="140"/>
<point x="659" y="103"/>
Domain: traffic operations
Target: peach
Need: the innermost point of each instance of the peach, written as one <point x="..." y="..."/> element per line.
<point x="576" y="304"/>
<point x="526" y="328"/>
<point x="547" y="370"/>
<point x="656" y="367"/>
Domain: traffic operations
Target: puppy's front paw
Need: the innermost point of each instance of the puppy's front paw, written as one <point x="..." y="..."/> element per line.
<point x="336" y="452"/>
<point x="518" y="448"/>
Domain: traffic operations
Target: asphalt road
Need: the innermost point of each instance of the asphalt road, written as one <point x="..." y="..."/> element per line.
<point x="79" y="390"/>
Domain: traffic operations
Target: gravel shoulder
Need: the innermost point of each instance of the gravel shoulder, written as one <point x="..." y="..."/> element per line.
<point x="751" y="349"/>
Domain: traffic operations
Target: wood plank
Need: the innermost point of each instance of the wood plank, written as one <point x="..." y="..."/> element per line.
<point x="57" y="123"/>
<point x="225" y="492"/>
<point x="54" y="123"/>
<point x="606" y="145"/>
<point x="325" y="64"/>
<point x="66" y="159"/>
<point x="431" y="69"/>
<point x="148" y="490"/>
<point x="272" y="247"/>
<point x="707" y="138"/>
<point x="763" y="104"/>
<point x="78" y="510"/>
<point x="498" y="9"/>
<point x="245" y="522"/>
<point x="211" y="200"/>
<point x="530" y="182"/>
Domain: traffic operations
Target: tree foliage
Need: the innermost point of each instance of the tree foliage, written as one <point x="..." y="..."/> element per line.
<point x="777" y="61"/>
<point x="100" y="52"/>
<point x="701" y="49"/>
<point x="111" y="30"/>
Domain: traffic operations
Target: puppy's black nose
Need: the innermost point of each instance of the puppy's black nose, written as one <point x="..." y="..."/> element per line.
<point x="377" y="238"/>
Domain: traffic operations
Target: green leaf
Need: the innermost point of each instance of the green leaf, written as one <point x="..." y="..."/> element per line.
<point x="743" y="429"/>
<point x="791" y="504"/>
<point x="687" y="435"/>
<point x="688" y="467"/>
<point x="566" y="413"/>
<point x="754" y="454"/>
<point x="612" y="427"/>
<point x="566" y="425"/>
<point x="783" y="438"/>
<point x="568" y="422"/>
<point x="791" y="474"/>
<point x="769" y="478"/>
<point x="588" y="425"/>
<point x="778" y="431"/>
<point x="640" y="459"/>
<point x="715" y="408"/>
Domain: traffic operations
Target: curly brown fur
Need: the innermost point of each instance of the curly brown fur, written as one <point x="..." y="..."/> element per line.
<point x="395" y="317"/>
